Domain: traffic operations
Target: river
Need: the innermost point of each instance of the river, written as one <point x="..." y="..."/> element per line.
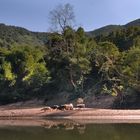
<point x="67" y="130"/>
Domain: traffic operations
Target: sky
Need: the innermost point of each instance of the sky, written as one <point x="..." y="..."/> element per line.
<point x="90" y="14"/>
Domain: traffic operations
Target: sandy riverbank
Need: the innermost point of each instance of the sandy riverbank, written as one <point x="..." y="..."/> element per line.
<point x="49" y="119"/>
<point x="87" y="113"/>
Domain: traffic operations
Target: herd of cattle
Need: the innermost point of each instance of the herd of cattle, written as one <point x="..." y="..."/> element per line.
<point x="63" y="107"/>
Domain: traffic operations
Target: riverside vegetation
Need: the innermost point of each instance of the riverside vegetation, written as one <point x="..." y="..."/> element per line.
<point x="77" y="63"/>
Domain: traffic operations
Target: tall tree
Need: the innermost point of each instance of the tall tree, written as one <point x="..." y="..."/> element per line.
<point x="61" y="17"/>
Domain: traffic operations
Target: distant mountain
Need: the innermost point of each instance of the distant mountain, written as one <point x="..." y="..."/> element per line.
<point x="104" y="30"/>
<point x="12" y="35"/>
<point x="110" y="28"/>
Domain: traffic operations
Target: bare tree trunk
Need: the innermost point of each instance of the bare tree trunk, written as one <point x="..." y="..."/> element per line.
<point x="71" y="80"/>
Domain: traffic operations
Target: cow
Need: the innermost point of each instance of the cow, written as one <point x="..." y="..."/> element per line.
<point x="66" y="107"/>
<point x="47" y="108"/>
<point x="80" y="105"/>
<point x="55" y="107"/>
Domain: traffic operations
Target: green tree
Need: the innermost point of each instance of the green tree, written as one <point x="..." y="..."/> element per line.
<point x="26" y="63"/>
<point x="70" y="61"/>
<point x="131" y="67"/>
<point x="105" y="56"/>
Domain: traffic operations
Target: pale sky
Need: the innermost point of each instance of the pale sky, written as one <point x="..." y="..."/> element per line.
<point x="90" y="14"/>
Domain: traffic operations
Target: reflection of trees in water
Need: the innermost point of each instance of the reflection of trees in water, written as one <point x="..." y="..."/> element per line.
<point x="65" y="125"/>
<point x="100" y="131"/>
<point x="112" y="131"/>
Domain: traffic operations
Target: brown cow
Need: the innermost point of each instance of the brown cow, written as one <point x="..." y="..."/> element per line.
<point x="46" y="109"/>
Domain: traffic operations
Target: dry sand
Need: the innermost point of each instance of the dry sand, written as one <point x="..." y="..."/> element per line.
<point x="86" y="113"/>
<point x="37" y="117"/>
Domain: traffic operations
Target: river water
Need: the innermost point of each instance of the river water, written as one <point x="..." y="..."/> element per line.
<point x="70" y="131"/>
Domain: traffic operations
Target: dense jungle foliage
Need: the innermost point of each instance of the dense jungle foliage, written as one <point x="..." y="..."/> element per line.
<point x="35" y="65"/>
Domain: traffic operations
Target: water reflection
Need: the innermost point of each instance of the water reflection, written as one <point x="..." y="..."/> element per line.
<point x="65" y="125"/>
<point x="69" y="130"/>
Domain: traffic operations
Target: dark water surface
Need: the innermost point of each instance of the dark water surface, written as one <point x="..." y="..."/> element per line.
<point x="70" y="131"/>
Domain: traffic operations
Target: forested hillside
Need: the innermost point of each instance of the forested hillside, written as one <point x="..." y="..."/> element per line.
<point x="43" y="65"/>
<point x="112" y="28"/>
<point x="15" y="36"/>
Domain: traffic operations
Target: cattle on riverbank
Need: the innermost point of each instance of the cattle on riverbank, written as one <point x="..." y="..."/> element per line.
<point x="66" y="107"/>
